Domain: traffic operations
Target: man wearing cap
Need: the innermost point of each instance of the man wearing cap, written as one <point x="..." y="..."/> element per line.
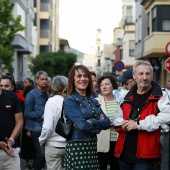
<point x="11" y="122"/>
<point x="127" y="83"/>
<point x="127" y="79"/>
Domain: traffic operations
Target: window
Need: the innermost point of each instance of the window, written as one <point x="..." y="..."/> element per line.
<point x="131" y="48"/>
<point x="166" y="25"/>
<point x="148" y="23"/>
<point x="129" y="14"/>
<point x="138" y="29"/>
<point x="44" y="49"/>
<point x="136" y="32"/>
<point x="98" y="63"/>
<point x="154" y="28"/>
<point x="161" y="18"/>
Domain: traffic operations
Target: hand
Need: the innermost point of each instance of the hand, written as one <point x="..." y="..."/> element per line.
<point x="42" y="145"/>
<point x="29" y="134"/>
<point x="4" y="146"/>
<point x="128" y="125"/>
<point x="101" y="117"/>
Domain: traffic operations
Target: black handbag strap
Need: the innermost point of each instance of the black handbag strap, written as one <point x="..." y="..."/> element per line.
<point x="62" y="114"/>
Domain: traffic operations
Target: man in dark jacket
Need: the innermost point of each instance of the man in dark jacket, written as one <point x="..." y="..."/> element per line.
<point x="34" y="112"/>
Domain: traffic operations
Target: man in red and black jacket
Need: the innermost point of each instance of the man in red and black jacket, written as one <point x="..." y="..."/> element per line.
<point x="138" y="118"/>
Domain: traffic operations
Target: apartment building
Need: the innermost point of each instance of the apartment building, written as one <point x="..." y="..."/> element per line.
<point x="25" y="41"/>
<point x="128" y="33"/>
<point x="98" y="49"/>
<point x="47" y="15"/>
<point x="124" y="35"/>
<point x="157" y="36"/>
<point x="104" y="56"/>
<point x="118" y="43"/>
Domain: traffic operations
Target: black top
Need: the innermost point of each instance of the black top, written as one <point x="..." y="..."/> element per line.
<point x="130" y="145"/>
<point x="9" y="106"/>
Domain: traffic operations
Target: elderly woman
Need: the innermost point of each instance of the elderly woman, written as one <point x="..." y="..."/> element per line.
<point x="54" y="144"/>
<point x="107" y="138"/>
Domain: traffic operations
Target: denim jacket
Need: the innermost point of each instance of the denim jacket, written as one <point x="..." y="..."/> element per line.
<point x="34" y="109"/>
<point x="78" y="111"/>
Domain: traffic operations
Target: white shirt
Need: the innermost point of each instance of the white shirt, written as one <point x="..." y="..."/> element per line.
<point x="168" y="91"/>
<point x="52" y="113"/>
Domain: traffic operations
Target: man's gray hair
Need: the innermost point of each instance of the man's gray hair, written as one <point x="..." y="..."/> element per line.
<point x="142" y="62"/>
<point x="37" y="75"/>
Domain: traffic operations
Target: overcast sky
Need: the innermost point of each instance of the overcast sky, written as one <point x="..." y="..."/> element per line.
<point x="79" y="19"/>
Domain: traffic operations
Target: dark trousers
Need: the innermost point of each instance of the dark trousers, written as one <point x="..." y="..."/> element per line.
<point x="39" y="160"/>
<point x="124" y="165"/>
<point x="108" y="157"/>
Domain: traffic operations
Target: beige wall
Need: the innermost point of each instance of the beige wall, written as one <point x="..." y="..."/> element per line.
<point x="53" y="16"/>
<point x="89" y="61"/>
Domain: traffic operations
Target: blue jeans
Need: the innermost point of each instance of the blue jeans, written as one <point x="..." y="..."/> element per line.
<point x="39" y="160"/>
<point x="124" y="165"/>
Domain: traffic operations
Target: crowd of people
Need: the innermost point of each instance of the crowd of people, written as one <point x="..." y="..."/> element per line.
<point x="117" y="123"/>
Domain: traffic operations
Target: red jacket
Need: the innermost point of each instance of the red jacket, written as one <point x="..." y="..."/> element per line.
<point x="20" y="95"/>
<point x="148" y="143"/>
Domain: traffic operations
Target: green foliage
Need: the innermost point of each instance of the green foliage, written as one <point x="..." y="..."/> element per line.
<point x="54" y="63"/>
<point x="9" y="26"/>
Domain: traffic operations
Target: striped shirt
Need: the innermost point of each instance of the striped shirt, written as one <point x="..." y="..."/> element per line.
<point x="111" y="107"/>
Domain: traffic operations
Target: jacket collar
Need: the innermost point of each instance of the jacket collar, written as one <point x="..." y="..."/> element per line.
<point x="156" y="91"/>
<point x="38" y="91"/>
<point x="77" y="96"/>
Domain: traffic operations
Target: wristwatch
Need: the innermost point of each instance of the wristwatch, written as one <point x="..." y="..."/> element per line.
<point x="12" y="140"/>
<point x="138" y="125"/>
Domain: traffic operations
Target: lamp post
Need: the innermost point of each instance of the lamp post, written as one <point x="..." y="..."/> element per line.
<point x="108" y="63"/>
<point x="112" y="58"/>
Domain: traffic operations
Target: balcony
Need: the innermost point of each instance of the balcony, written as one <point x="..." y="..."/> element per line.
<point x="127" y="20"/>
<point x="154" y="45"/>
<point x="44" y="7"/>
<point x="21" y="44"/>
<point x="45" y="34"/>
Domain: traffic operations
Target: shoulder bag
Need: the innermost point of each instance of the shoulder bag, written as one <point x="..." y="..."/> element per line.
<point x="62" y="128"/>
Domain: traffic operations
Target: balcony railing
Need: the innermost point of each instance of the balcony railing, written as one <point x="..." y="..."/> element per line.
<point x="44" y="7"/>
<point x="44" y="34"/>
<point x="127" y="20"/>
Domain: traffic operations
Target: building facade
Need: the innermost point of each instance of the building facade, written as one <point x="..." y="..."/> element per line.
<point x="25" y="41"/>
<point x="157" y="37"/>
<point x="47" y="16"/>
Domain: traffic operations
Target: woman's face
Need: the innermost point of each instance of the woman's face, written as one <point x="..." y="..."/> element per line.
<point x="106" y="87"/>
<point x="81" y="80"/>
<point x="6" y="84"/>
<point x="26" y="82"/>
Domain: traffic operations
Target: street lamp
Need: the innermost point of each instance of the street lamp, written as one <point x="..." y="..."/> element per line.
<point x="108" y="63"/>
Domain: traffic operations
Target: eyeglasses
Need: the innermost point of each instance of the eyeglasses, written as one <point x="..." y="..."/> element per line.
<point x="7" y="77"/>
<point x="126" y="83"/>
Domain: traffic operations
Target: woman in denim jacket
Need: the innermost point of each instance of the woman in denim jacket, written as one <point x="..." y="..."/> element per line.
<point x="88" y="118"/>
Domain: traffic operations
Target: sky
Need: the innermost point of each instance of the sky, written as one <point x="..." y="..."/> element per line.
<point x="79" y="19"/>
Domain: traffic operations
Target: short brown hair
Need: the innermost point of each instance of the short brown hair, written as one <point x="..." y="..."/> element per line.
<point x="112" y="81"/>
<point x="71" y="86"/>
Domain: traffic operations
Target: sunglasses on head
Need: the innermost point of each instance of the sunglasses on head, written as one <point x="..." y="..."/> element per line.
<point x="7" y="77"/>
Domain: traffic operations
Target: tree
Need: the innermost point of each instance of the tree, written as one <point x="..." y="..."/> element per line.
<point x="54" y="63"/>
<point x="9" y="26"/>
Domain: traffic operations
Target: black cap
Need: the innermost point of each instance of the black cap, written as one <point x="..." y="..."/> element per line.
<point x="128" y="74"/>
